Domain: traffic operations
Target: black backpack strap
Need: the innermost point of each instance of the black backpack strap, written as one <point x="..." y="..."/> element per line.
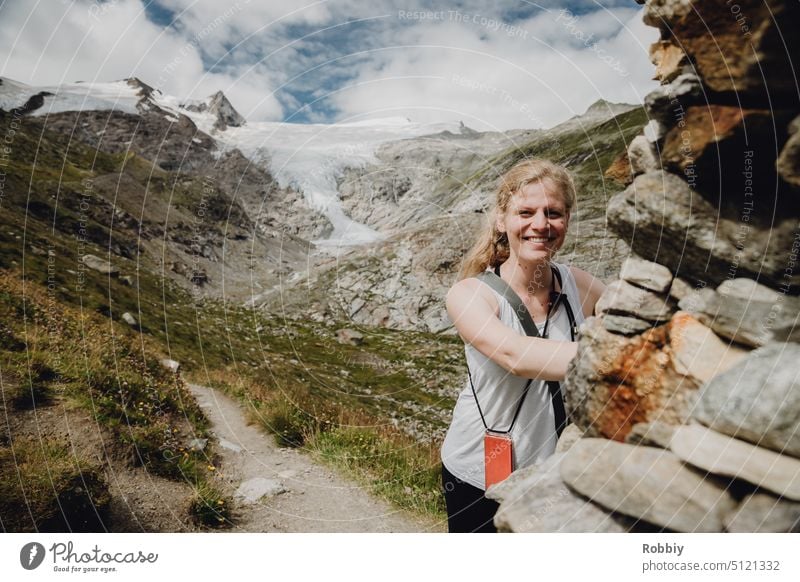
<point x="503" y="288"/>
<point x="554" y="387"/>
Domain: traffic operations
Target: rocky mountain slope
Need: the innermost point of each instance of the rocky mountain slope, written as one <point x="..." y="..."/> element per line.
<point x="164" y="193"/>
<point x="428" y="195"/>
<point x="194" y="186"/>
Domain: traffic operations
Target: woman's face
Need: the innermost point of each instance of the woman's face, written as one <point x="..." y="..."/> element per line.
<point x="536" y="222"/>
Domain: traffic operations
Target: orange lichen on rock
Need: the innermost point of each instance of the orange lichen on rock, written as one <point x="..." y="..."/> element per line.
<point x="620" y="170"/>
<point x="631" y="379"/>
<point x="622" y="410"/>
<point x="668" y="59"/>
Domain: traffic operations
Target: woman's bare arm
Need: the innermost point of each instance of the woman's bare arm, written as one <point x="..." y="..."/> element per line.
<point x="590" y="289"/>
<point x="475" y="318"/>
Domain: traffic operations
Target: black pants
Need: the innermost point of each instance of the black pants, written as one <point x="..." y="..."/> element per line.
<point x="467" y="509"/>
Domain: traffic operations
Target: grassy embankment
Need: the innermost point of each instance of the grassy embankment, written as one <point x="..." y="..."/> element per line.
<point x="55" y="356"/>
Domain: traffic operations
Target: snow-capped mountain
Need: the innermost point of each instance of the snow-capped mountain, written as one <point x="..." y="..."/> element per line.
<point x="310" y="158"/>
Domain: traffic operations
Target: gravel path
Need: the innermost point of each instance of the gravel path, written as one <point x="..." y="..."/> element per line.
<point x="283" y="490"/>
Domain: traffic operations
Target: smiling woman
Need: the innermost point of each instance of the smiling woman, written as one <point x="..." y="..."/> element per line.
<point x="518" y="312"/>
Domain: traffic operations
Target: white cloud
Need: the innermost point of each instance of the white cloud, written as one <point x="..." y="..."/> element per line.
<point x="536" y="74"/>
<point x="48" y="43"/>
<point x="469" y="64"/>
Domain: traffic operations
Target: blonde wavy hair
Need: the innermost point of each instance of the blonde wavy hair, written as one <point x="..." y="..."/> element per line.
<point x="492" y="248"/>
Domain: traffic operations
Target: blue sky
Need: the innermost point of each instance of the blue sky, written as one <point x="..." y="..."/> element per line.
<point x="493" y="65"/>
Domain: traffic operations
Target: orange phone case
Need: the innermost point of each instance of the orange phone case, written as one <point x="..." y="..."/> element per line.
<point x="498" y="459"/>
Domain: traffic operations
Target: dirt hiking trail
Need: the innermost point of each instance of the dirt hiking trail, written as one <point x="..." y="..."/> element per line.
<point x="283" y="490"/>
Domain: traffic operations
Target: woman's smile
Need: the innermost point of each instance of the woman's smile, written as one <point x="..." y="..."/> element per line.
<point x="537" y="239"/>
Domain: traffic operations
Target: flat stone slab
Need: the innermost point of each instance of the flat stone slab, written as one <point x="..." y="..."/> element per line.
<point x="646" y="274"/>
<point x="571" y="435"/>
<point x="537" y="500"/>
<point x="624" y="324"/>
<point x="697" y="351"/>
<point x="646" y="483"/>
<point x="723" y="455"/>
<point x="764" y="513"/>
<point x="663" y="219"/>
<point x="100" y="265"/>
<point x="622" y="298"/>
<point x="253" y="490"/>
<point x="749" y="322"/>
<point x="744" y="288"/>
<point x="757" y="400"/>
<point x="651" y="434"/>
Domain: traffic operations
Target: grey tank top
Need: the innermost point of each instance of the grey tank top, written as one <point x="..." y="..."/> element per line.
<point x="498" y="392"/>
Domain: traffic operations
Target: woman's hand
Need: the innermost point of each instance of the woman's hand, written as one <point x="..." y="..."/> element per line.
<point x="473" y="309"/>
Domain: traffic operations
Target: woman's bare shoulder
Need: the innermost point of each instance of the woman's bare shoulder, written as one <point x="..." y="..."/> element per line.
<point x="590" y="289"/>
<point x="467" y="290"/>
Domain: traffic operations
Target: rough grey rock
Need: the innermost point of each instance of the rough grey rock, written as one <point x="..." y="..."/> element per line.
<point x="349" y="336"/>
<point x="757" y="400"/>
<point x="571" y="435"/>
<point x="665" y="221"/>
<point x="129" y="319"/>
<point x="662" y="13"/>
<point x="622" y="298"/>
<point x="665" y="102"/>
<point x="654" y="131"/>
<point x="646" y="274"/>
<point x="722" y="455"/>
<point x="679" y="289"/>
<point x="219" y="106"/>
<point x="652" y="434"/>
<point x="624" y="325"/>
<point x="698" y="352"/>
<point x="356" y="306"/>
<point x="226" y="115"/>
<point x="198" y="444"/>
<point x="789" y="161"/>
<point x="747" y="289"/>
<point x="748" y="322"/>
<point x="538" y="501"/>
<point x="100" y="265"/>
<point x="253" y="490"/>
<point x="641" y="156"/>
<point x="381" y="315"/>
<point x="170" y="365"/>
<point x="646" y="483"/>
<point x="760" y="512"/>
